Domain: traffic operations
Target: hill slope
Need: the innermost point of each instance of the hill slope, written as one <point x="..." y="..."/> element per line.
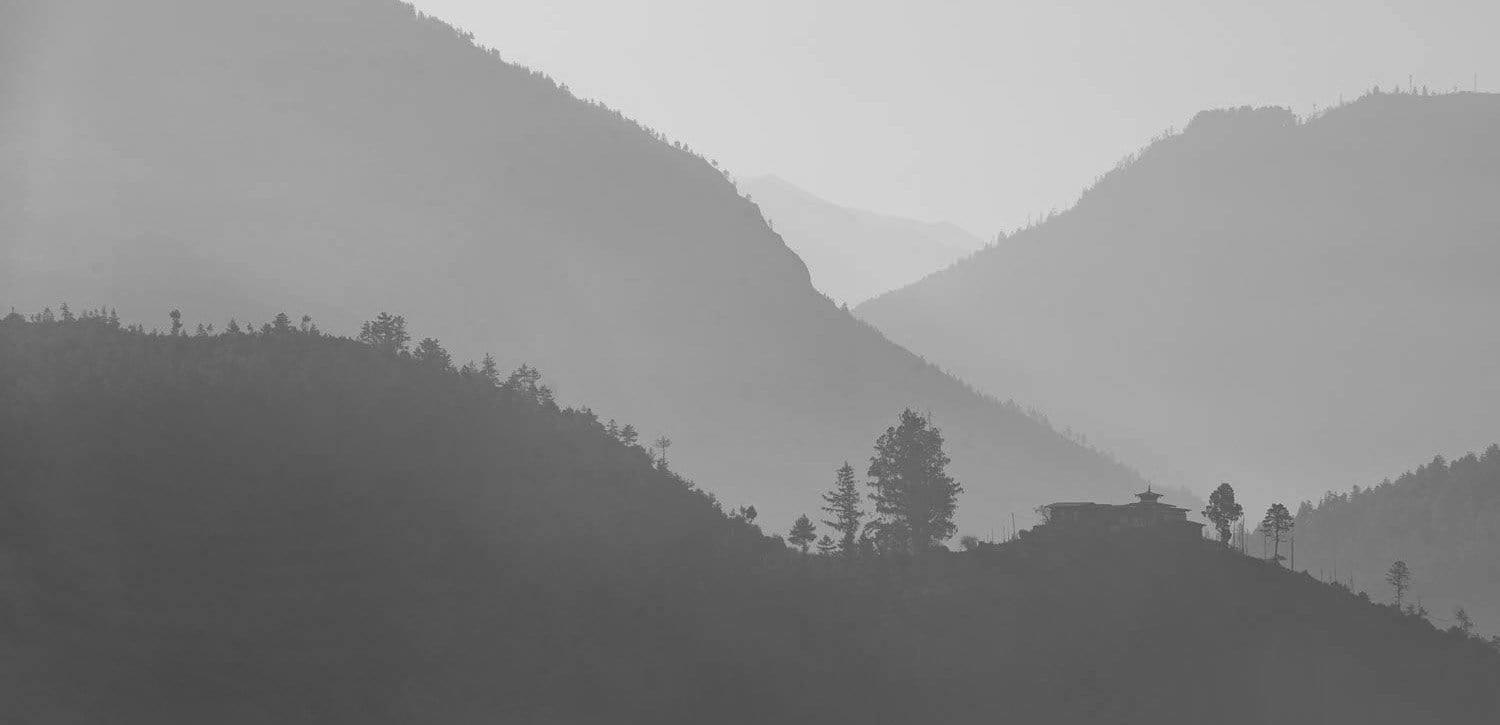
<point x="1439" y="519"/>
<point x="1291" y="306"/>
<point x="291" y="528"/>
<point x="348" y="156"/>
<point x="853" y="254"/>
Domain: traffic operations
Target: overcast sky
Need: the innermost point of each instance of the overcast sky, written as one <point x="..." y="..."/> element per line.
<point x="981" y="113"/>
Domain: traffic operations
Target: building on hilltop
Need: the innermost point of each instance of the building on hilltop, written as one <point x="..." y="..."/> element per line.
<point x="1072" y="518"/>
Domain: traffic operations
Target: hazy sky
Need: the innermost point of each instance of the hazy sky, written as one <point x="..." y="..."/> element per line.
<point x="981" y="113"/>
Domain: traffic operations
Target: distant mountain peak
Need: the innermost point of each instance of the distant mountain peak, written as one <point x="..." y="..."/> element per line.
<point x="854" y="254"/>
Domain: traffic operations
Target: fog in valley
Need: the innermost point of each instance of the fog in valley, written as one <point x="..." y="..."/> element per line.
<point x="658" y="362"/>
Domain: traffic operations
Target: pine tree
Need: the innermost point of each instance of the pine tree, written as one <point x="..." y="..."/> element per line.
<point x="843" y="505"/>
<point x="1465" y="623"/>
<point x="662" y="444"/>
<point x="1399" y="577"/>
<point x="386" y="332"/>
<point x="176" y="316"/>
<point x="1275" y="525"/>
<point x="1223" y="511"/>
<point x="489" y="370"/>
<point x="913" y="492"/>
<point x="827" y="546"/>
<point x="430" y="353"/>
<point x="802" y="533"/>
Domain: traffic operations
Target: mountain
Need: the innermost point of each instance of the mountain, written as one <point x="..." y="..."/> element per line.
<point x="1290" y="305"/>
<point x="343" y="157"/>
<point x="853" y="254"/>
<point x="288" y="527"/>
<point x="1439" y="519"/>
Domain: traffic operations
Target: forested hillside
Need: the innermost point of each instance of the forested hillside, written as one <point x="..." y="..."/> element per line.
<point x="1440" y="519"/>
<point x="1289" y="304"/>
<point x="281" y="526"/>
<point x="853" y="254"/>
<point x="342" y="156"/>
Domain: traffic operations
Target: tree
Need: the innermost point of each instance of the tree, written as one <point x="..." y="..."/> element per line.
<point x="386" y="332"/>
<point x="827" y="546"/>
<point x="1399" y="577"/>
<point x="1222" y="511"/>
<point x="430" y="353"/>
<point x="176" y="316"/>
<point x="662" y="443"/>
<point x="1465" y="622"/>
<point x="489" y="370"/>
<point x="802" y="533"/>
<point x="628" y="434"/>
<point x="843" y="505"/>
<point x="526" y="382"/>
<point x="1275" y="525"/>
<point x="913" y="492"/>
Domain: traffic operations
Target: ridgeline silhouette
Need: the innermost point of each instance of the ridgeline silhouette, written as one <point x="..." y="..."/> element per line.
<point x="282" y="526"/>
<point x="1440" y="519"/>
<point x="1289" y="304"/>
<point x="852" y="254"/>
<point x="342" y="156"/>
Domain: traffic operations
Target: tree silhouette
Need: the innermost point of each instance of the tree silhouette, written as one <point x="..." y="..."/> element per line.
<point x="662" y="444"/>
<point x="430" y="353"/>
<point x="1399" y="577"/>
<point x="802" y="533"/>
<point x="1275" y="525"/>
<point x="1465" y="623"/>
<point x="912" y="489"/>
<point x="827" y="546"/>
<point x="1223" y="511"/>
<point x="386" y="333"/>
<point x="843" y="506"/>
<point x="489" y="370"/>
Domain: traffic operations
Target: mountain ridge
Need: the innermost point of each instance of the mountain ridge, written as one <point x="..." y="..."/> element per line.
<point x="1254" y="299"/>
<point x="854" y="254"/>
<point x="343" y="157"/>
<point x="284" y="526"/>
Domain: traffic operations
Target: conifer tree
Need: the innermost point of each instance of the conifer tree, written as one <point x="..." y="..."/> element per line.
<point x="913" y="492"/>
<point x="802" y="533"/>
<point x="386" y="332"/>
<point x="489" y="370"/>
<point x="430" y="353"/>
<point x="843" y="505"/>
<point x="827" y="546"/>
<point x="1275" y="525"/>
<point x="1465" y="623"/>
<point x="1399" y="577"/>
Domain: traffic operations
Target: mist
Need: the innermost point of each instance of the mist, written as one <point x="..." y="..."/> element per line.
<point x="369" y="362"/>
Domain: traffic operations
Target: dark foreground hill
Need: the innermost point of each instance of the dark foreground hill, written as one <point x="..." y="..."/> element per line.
<point x="1440" y="519"/>
<point x="1291" y="305"/>
<point x="344" y="156"/>
<point x="292" y="528"/>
